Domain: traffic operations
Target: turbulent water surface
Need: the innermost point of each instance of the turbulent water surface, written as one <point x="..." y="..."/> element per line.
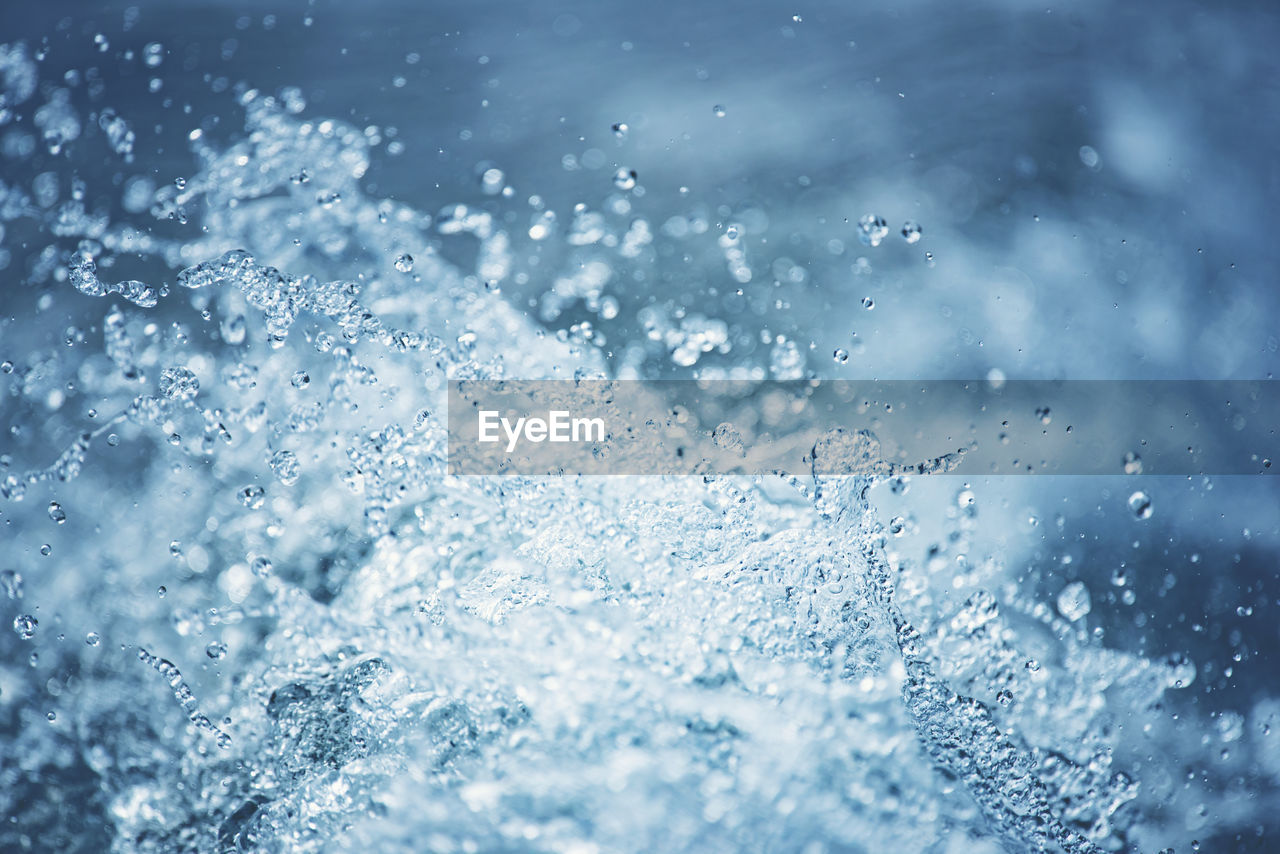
<point x="245" y="608"/>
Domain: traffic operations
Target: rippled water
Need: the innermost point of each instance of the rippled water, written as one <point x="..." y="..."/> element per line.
<point x="251" y="612"/>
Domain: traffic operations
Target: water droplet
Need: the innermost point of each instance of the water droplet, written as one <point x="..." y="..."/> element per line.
<point x="1074" y="601"/>
<point x="11" y="584"/>
<point x="153" y="54"/>
<point x="1005" y="697"/>
<point x="233" y="329"/>
<point x="404" y="263"/>
<point x="285" y="466"/>
<point x="1140" y="505"/>
<point x="1043" y="414"/>
<point x="1120" y="577"/>
<point x="1089" y="157"/>
<point x="161" y="591"/>
<point x="897" y="526"/>
<point x="868" y="303"/>
<point x="216" y="650"/>
<point x="179" y="383"/>
<point x="911" y="231"/>
<point x="719" y="111"/>
<point x="261" y="566"/>
<point x="1132" y="463"/>
<point x="624" y="178"/>
<point x="841" y="355"/>
<point x="252" y="496"/>
<point x="25" y="626"/>
<point x="872" y="229"/>
<point x="301" y="379"/>
<point x="56" y="513"/>
<point x="93" y="639"/>
<point x="620" y="130"/>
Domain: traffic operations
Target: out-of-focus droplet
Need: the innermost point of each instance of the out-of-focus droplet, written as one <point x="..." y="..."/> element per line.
<point x="841" y="355"/>
<point x="261" y="566"/>
<point x="1140" y="505"/>
<point x="93" y="639"/>
<point x="252" y="496"/>
<point x="404" y="262"/>
<point x="718" y="110"/>
<point x="911" y="231"/>
<point x="620" y="130"/>
<point x="216" y="650"/>
<point x="625" y="179"/>
<point x="300" y="379"/>
<point x="872" y="229"/>
<point x="1074" y="601"/>
<point x="1132" y="463"/>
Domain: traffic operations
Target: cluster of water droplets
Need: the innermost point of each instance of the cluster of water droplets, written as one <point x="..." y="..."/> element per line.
<point x="376" y="652"/>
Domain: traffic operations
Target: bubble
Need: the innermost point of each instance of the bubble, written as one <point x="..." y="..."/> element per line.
<point x="179" y="383"/>
<point x="93" y="639"/>
<point x="25" y="626"/>
<point x="261" y="566"/>
<point x="911" y="231"/>
<point x="841" y="356"/>
<point x="252" y="496"/>
<point x="624" y="178"/>
<point x="56" y="513"/>
<point x="872" y="229"/>
<point x="153" y="54"/>
<point x="1043" y="414"/>
<point x="718" y="111"/>
<point x="404" y="262"/>
<point x="620" y="130"/>
<point x="216" y="650"/>
<point x="300" y="379"/>
<point x="1005" y="697"/>
<point x="868" y="303"/>
<point x="1120" y="577"/>
<point x="11" y="584"/>
<point x="1074" y="601"/>
<point x="1089" y="157"/>
<point x="1140" y="505"/>
<point x="1132" y="463"/>
<point x="897" y="526"/>
<point x="161" y="591"/>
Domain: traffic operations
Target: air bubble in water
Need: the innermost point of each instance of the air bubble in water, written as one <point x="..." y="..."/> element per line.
<point x="233" y="329"/>
<point x="252" y="496"/>
<point x="300" y="379"/>
<point x="872" y="229"/>
<point x="624" y="178"/>
<point x="841" y="355"/>
<point x="25" y="626"/>
<point x="719" y="111"/>
<point x="216" y="650"/>
<point x="620" y="130"/>
<point x="911" y="231"/>
<point x="93" y="639"/>
<point x="1043" y="414"/>
<point x="153" y="54"/>
<point x="56" y="513"/>
<point x="491" y="181"/>
<point x="897" y="525"/>
<point x="868" y="303"/>
<point x="179" y="383"/>
<point x="1132" y="463"/>
<point x="404" y="263"/>
<point x="261" y="566"/>
<point x="1140" y="505"/>
<point x="1074" y="601"/>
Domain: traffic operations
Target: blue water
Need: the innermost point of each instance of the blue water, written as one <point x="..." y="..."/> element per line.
<point x="244" y="608"/>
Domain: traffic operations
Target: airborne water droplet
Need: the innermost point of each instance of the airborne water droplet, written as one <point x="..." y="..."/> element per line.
<point x="624" y="178"/>
<point x="1074" y="601"/>
<point x="25" y="626"/>
<point x="1140" y="505"/>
